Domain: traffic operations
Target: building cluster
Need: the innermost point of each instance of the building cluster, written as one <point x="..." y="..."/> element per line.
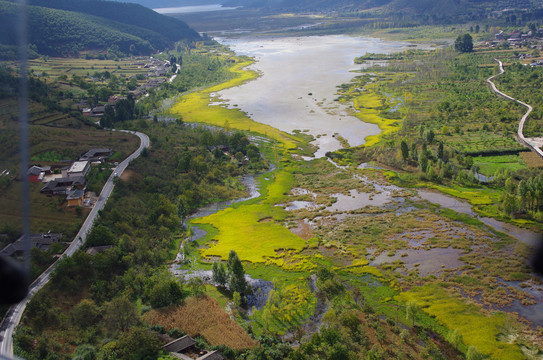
<point x="69" y="181"/>
<point x="99" y="109"/>
<point x="517" y="38"/>
<point x="158" y="70"/>
<point x="41" y="241"/>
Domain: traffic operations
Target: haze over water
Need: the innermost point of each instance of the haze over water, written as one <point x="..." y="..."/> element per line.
<point x="299" y="84"/>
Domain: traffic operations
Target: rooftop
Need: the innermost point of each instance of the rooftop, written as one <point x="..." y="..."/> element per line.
<point x="78" y="166"/>
<point x="179" y="344"/>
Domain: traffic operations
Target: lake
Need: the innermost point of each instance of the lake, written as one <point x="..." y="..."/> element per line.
<point x="299" y="82"/>
<point x="192" y="9"/>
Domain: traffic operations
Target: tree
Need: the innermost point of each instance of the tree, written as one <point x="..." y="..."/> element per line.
<point x="522" y="192"/>
<point x="196" y="286"/>
<point x="85" y="352"/>
<point x="120" y="314"/>
<point x="509" y="204"/>
<point x="236" y="273"/>
<point x="236" y="298"/>
<point x="431" y="173"/>
<point x="411" y="311"/>
<point x="137" y="344"/>
<point x="108" y="118"/>
<point x="85" y="314"/>
<point x="100" y="235"/>
<point x="430" y="135"/>
<point x="405" y="150"/>
<point x="423" y="161"/>
<point x="464" y="43"/>
<point x="219" y="273"/>
<point x="455" y="338"/>
<point x="165" y="293"/>
<point x="440" y="151"/>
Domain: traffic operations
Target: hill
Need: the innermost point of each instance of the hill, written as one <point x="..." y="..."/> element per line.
<point x="155" y="4"/>
<point x="419" y="7"/>
<point x="64" y="28"/>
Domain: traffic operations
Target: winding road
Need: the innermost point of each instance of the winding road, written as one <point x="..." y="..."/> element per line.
<point x="14" y="314"/>
<point x="531" y="142"/>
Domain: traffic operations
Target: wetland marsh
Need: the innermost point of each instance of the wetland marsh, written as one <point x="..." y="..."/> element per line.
<point x="315" y="213"/>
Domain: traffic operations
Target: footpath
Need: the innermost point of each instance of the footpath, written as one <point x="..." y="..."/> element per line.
<point x="533" y="143"/>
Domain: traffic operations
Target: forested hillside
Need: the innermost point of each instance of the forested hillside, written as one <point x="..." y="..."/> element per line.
<point x="154" y="4"/>
<point x="428" y="7"/>
<point x="126" y="13"/>
<point x="91" y="25"/>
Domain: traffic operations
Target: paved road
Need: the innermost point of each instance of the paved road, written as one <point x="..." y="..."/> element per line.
<point x="520" y="131"/>
<point x="14" y="314"/>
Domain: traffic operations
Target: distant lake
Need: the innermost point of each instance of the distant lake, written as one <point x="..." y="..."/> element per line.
<point x="192" y="9"/>
<point x="298" y="85"/>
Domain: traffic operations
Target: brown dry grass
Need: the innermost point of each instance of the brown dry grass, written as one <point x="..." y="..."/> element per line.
<point x="202" y="316"/>
<point x="531" y="159"/>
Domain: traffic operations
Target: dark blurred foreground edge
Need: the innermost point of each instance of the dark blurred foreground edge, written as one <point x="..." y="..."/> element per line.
<point x="13" y="281"/>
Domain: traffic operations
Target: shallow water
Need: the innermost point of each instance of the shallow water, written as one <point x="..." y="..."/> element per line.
<point x="358" y="200"/>
<point x="429" y="261"/>
<point x="299" y="83"/>
<point x="528" y="237"/>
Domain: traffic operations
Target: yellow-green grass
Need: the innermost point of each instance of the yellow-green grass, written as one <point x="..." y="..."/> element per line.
<point x="214" y="293"/>
<point x="245" y="231"/>
<point x="490" y="164"/>
<point x="251" y="229"/>
<point x="196" y="107"/>
<point x="474" y="196"/>
<point x="359" y="270"/>
<point x="278" y="190"/>
<point x="367" y="105"/>
<point x="287" y="308"/>
<point x="477" y="328"/>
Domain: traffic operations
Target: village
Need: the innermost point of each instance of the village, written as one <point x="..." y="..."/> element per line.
<point x="517" y="39"/>
<point x="156" y="76"/>
<point x="68" y="183"/>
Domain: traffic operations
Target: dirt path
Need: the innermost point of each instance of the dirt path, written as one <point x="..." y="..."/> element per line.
<point x="520" y="132"/>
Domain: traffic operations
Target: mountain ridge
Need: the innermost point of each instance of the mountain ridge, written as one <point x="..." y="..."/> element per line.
<point x="65" y="28"/>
